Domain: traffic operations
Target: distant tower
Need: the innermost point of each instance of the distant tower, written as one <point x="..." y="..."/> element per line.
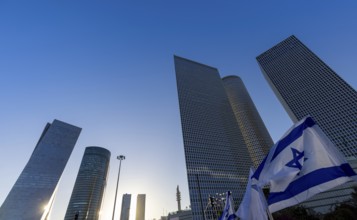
<point x="32" y="195"/>
<point x="88" y="191"/>
<point x="140" y="207"/>
<point x="125" y="207"/>
<point x="178" y="198"/>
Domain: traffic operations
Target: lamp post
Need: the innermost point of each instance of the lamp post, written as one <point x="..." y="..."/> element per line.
<point x="199" y="192"/>
<point x="120" y="158"/>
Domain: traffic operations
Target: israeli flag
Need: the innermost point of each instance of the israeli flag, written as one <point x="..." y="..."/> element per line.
<point x="228" y="211"/>
<point x="304" y="162"/>
<point x="253" y="205"/>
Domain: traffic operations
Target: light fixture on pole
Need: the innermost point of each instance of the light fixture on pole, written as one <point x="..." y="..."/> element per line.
<point x="120" y="158"/>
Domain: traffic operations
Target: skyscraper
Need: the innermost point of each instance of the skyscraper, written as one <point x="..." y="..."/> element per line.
<point x="88" y="191"/>
<point x="32" y="195"/>
<point x="305" y="85"/>
<point x="256" y="136"/>
<point x="140" y="207"/>
<point x="217" y="158"/>
<point x="125" y="207"/>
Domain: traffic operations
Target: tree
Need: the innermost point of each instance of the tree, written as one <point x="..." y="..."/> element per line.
<point x="343" y="211"/>
<point x="298" y="212"/>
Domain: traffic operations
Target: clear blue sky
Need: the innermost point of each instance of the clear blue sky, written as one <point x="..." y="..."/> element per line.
<point x="107" y="66"/>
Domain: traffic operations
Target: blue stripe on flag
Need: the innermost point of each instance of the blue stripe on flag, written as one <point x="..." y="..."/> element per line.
<point x="259" y="170"/>
<point x="232" y="217"/>
<point x="309" y="180"/>
<point x="292" y="136"/>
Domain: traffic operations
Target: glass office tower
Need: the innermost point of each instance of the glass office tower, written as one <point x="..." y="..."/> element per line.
<point x="88" y="191"/>
<point x="217" y="159"/>
<point x="32" y="195"/>
<point x="305" y="85"/>
<point x="125" y="207"/>
<point x="140" y="207"/>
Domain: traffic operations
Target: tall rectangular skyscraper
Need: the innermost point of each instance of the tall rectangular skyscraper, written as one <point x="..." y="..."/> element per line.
<point x="88" y="191"/>
<point x="217" y="157"/>
<point x="305" y="85"/>
<point x="140" y="207"/>
<point x="32" y="195"/>
<point x="125" y="207"/>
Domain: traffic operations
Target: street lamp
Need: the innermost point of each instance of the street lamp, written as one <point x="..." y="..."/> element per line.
<point x="120" y="158"/>
<point x="199" y="192"/>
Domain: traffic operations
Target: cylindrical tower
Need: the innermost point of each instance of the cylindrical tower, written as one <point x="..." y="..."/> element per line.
<point x="255" y="134"/>
<point x="88" y="191"/>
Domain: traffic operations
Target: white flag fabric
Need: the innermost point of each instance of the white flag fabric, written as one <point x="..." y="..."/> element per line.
<point x="228" y="212"/>
<point x="253" y="205"/>
<point x="302" y="163"/>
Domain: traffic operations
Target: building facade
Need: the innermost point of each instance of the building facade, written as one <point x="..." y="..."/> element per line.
<point x="125" y="207"/>
<point x="256" y="137"/>
<point x="88" y="191"/>
<point x="305" y="85"/>
<point x="34" y="191"/>
<point x="140" y="207"/>
<point x="217" y="158"/>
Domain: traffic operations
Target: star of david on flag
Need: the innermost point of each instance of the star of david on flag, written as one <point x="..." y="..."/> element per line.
<point x="297" y="155"/>
<point x="293" y="163"/>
